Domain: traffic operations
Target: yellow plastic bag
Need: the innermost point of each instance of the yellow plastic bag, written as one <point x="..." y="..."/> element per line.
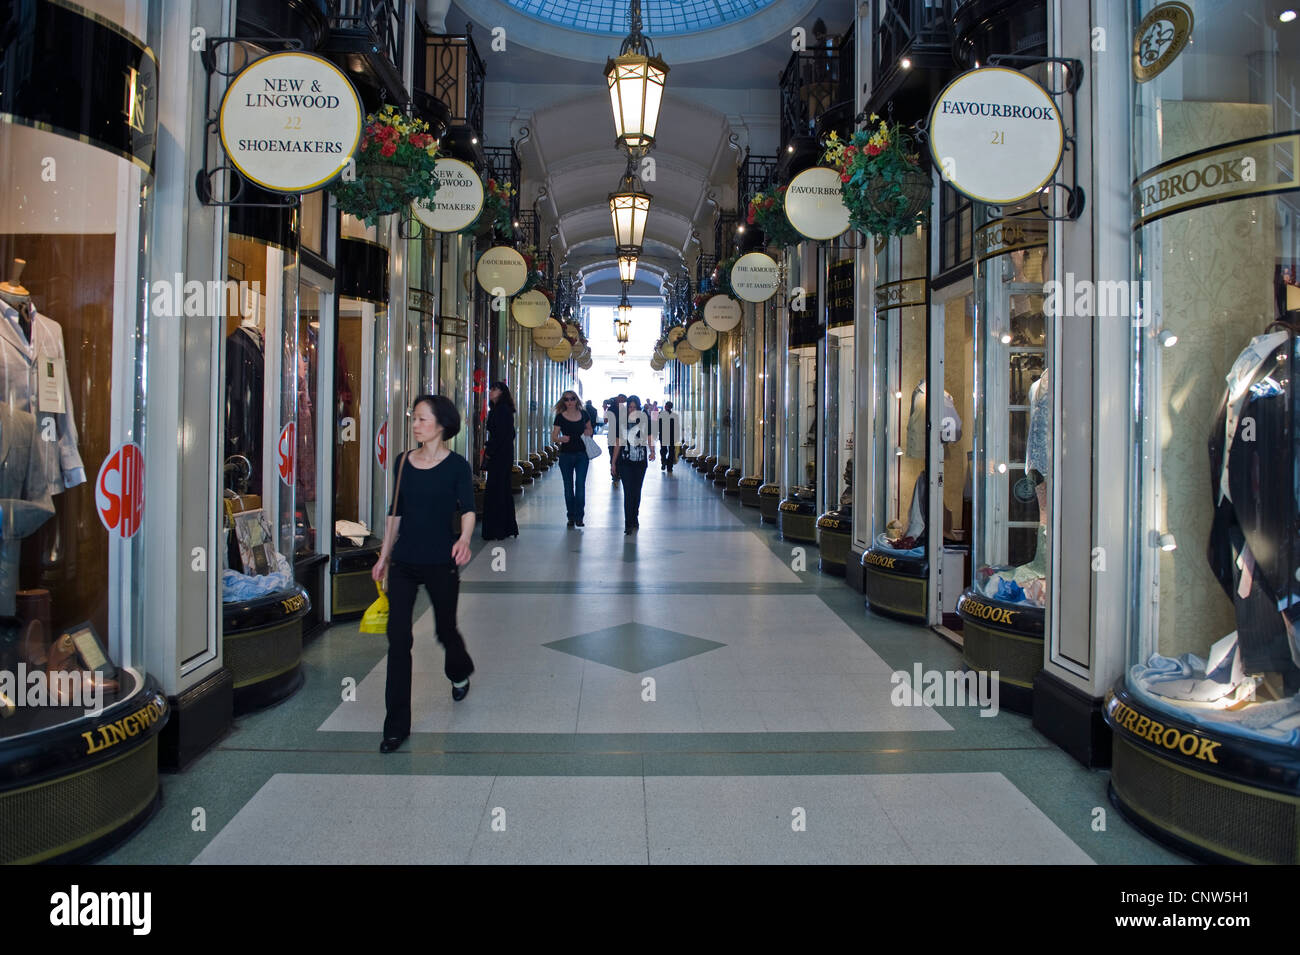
<point x="375" y="619"/>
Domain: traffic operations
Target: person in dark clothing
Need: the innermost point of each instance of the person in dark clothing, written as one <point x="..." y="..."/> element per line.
<point x="571" y="423"/>
<point x="498" y="499"/>
<point x="668" y="435"/>
<point x="628" y="463"/>
<point x="432" y="481"/>
<point x="591" y="414"/>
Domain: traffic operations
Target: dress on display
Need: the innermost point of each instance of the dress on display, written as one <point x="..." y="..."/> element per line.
<point x="498" y="499"/>
<point x="32" y="469"/>
<point x="245" y="384"/>
<point x="1253" y="548"/>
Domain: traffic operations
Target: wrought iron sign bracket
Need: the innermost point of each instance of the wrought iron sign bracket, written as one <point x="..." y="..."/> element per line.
<point x="1075" y="198"/>
<point x="207" y="173"/>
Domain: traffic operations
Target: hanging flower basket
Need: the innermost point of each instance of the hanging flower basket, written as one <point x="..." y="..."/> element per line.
<point x="767" y="211"/>
<point x="394" y="166"/>
<point x="881" y="179"/>
<point x="495" y="214"/>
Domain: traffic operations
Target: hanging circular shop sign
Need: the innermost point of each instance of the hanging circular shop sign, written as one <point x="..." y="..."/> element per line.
<point x="119" y="491"/>
<point x="501" y="271"/>
<point x="722" y="312"/>
<point x="548" y="334"/>
<point x="290" y="122"/>
<point x="755" y="277"/>
<point x="572" y="332"/>
<point x="675" y="334"/>
<point x="561" y="352"/>
<point x="583" y="353"/>
<point x="687" y="353"/>
<point x="996" y="135"/>
<point x="585" y="362"/>
<point x="1160" y="37"/>
<point x="701" y="336"/>
<point x="658" y="353"/>
<point x="668" y="349"/>
<point x="459" y="200"/>
<point x="815" y="205"/>
<point x="531" y="310"/>
<point x="657" y="363"/>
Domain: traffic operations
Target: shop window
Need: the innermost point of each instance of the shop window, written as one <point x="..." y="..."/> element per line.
<point x="71" y="410"/>
<point x="1217" y="600"/>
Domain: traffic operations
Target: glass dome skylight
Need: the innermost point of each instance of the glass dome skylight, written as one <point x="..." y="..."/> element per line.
<point x="658" y="17"/>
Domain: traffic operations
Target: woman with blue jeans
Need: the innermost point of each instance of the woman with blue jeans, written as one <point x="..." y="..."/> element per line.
<point x="571" y="423"/>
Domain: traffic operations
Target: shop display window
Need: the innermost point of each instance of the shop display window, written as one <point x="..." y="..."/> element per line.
<point x="307" y="512"/>
<point x="1011" y="486"/>
<point x="1216" y="211"/>
<point x="72" y="267"/>
<point x="361" y="423"/>
<point x="900" y="507"/>
<point x="263" y="370"/>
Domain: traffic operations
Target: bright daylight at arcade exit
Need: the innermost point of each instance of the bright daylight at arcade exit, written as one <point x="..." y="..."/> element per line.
<point x="644" y="432"/>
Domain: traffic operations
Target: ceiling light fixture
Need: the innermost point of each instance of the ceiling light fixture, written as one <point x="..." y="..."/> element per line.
<point x="627" y="268"/>
<point x="636" y="80"/>
<point x="1286" y="16"/>
<point x="629" y="208"/>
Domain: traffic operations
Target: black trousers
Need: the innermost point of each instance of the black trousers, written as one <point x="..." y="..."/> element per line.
<point x="632" y="475"/>
<point x="442" y="583"/>
<point x="667" y="456"/>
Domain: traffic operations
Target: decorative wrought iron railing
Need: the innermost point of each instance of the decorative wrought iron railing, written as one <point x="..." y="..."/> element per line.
<point x="453" y="71"/>
<point x="812" y="81"/>
<point x="906" y="24"/>
<point x="379" y="20"/>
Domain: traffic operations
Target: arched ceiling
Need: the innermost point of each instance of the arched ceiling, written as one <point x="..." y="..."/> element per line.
<point x="721" y="92"/>
<point x="571" y="154"/>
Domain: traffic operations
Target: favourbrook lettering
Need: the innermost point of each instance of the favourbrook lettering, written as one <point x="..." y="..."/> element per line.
<point x="1005" y="110"/>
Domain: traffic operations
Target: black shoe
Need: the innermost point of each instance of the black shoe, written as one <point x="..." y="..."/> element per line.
<point x="577" y="523"/>
<point x="459" y="693"/>
<point x="570" y="522"/>
<point x="627" y="530"/>
<point x="391" y="743"/>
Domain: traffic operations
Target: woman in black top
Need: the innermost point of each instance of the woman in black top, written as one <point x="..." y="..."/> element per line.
<point x="628" y="464"/>
<point x="571" y="423"/>
<point x="432" y="482"/>
<point x="498" y="499"/>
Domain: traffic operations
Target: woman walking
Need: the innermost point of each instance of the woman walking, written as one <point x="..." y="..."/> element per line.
<point x="432" y="481"/>
<point x="498" y="500"/>
<point x="629" y="461"/>
<point x="571" y="423"/>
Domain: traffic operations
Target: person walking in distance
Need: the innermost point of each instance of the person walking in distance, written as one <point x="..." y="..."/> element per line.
<point x="571" y="423"/>
<point x="615" y="410"/>
<point x="432" y="481"/>
<point x="629" y="462"/>
<point x="498" y="499"/>
<point x="668" y="435"/>
<point x="591" y="414"/>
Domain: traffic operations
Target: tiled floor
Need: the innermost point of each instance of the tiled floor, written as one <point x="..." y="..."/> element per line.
<point x="683" y="695"/>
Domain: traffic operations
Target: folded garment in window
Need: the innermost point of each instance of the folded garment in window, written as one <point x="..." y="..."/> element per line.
<point x="237" y="587"/>
<point x="354" y="531"/>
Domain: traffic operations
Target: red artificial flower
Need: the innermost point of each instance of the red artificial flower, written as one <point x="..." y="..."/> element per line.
<point x="874" y="150"/>
<point x="387" y="149"/>
<point x="492" y="184"/>
<point x="749" y="219"/>
<point x="844" y="177"/>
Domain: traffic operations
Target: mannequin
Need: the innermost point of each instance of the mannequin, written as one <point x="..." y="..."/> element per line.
<point x="245" y="374"/>
<point x="13" y="294"/>
<point x="917" y="420"/>
<point x="1253" y="538"/>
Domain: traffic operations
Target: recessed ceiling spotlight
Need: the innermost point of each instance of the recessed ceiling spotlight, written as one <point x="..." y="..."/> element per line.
<point x="789" y="149"/>
<point x="1286" y="16"/>
<point x="906" y="63"/>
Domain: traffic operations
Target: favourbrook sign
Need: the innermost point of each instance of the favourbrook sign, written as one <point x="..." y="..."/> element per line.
<point x="290" y="122"/>
<point x="996" y="135"/>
